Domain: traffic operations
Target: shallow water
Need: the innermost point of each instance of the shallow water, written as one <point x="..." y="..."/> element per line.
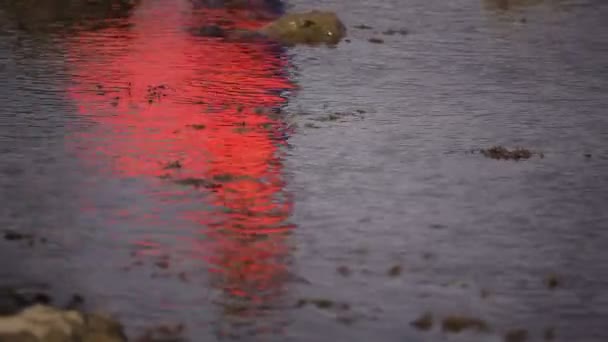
<point x="293" y="204"/>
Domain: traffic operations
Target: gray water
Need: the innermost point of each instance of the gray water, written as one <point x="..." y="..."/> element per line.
<point x="336" y="204"/>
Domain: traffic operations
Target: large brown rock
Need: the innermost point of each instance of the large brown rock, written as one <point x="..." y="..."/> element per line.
<point x="40" y="323"/>
<point x="314" y="27"/>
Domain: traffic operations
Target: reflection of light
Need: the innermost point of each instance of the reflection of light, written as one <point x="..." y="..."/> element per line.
<point x="141" y="129"/>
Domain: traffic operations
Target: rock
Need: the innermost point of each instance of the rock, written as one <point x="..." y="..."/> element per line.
<point x="41" y="323"/>
<point x="314" y="27"/>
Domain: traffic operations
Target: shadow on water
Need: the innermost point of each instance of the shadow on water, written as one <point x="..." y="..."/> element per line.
<point x="197" y="122"/>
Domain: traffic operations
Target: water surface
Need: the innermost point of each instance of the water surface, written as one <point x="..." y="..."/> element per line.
<point x="184" y="179"/>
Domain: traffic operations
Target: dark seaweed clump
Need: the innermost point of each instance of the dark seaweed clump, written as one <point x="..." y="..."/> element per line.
<point x="503" y="153"/>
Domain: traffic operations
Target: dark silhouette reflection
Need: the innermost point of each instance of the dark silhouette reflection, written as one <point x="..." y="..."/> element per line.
<point x="194" y="112"/>
<point x="275" y="6"/>
<point x="44" y="16"/>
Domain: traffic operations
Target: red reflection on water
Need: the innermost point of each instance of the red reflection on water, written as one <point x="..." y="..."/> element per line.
<point x="159" y="95"/>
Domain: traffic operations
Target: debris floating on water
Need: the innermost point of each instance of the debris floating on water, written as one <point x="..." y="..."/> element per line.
<point x="394" y="271"/>
<point x="549" y="334"/>
<point x="322" y="303"/>
<point x="424" y="322"/>
<point x="163" y="332"/>
<point x="391" y="32"/>
<point x="517" y="335"/>
<point x="344" y="271"/>
<point x="13" y="235"/>
<point x="197" y="183"/>
<point x="197" y="127"/>
<point x="552" y="281"/>
<point x="456" y="324"/>
<point x="311" y="125"/>
<point x="173" y="165"/>
<point x="30" y="239"/>
<point x="376" y="40"/>
<point x="502" y="153"/>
